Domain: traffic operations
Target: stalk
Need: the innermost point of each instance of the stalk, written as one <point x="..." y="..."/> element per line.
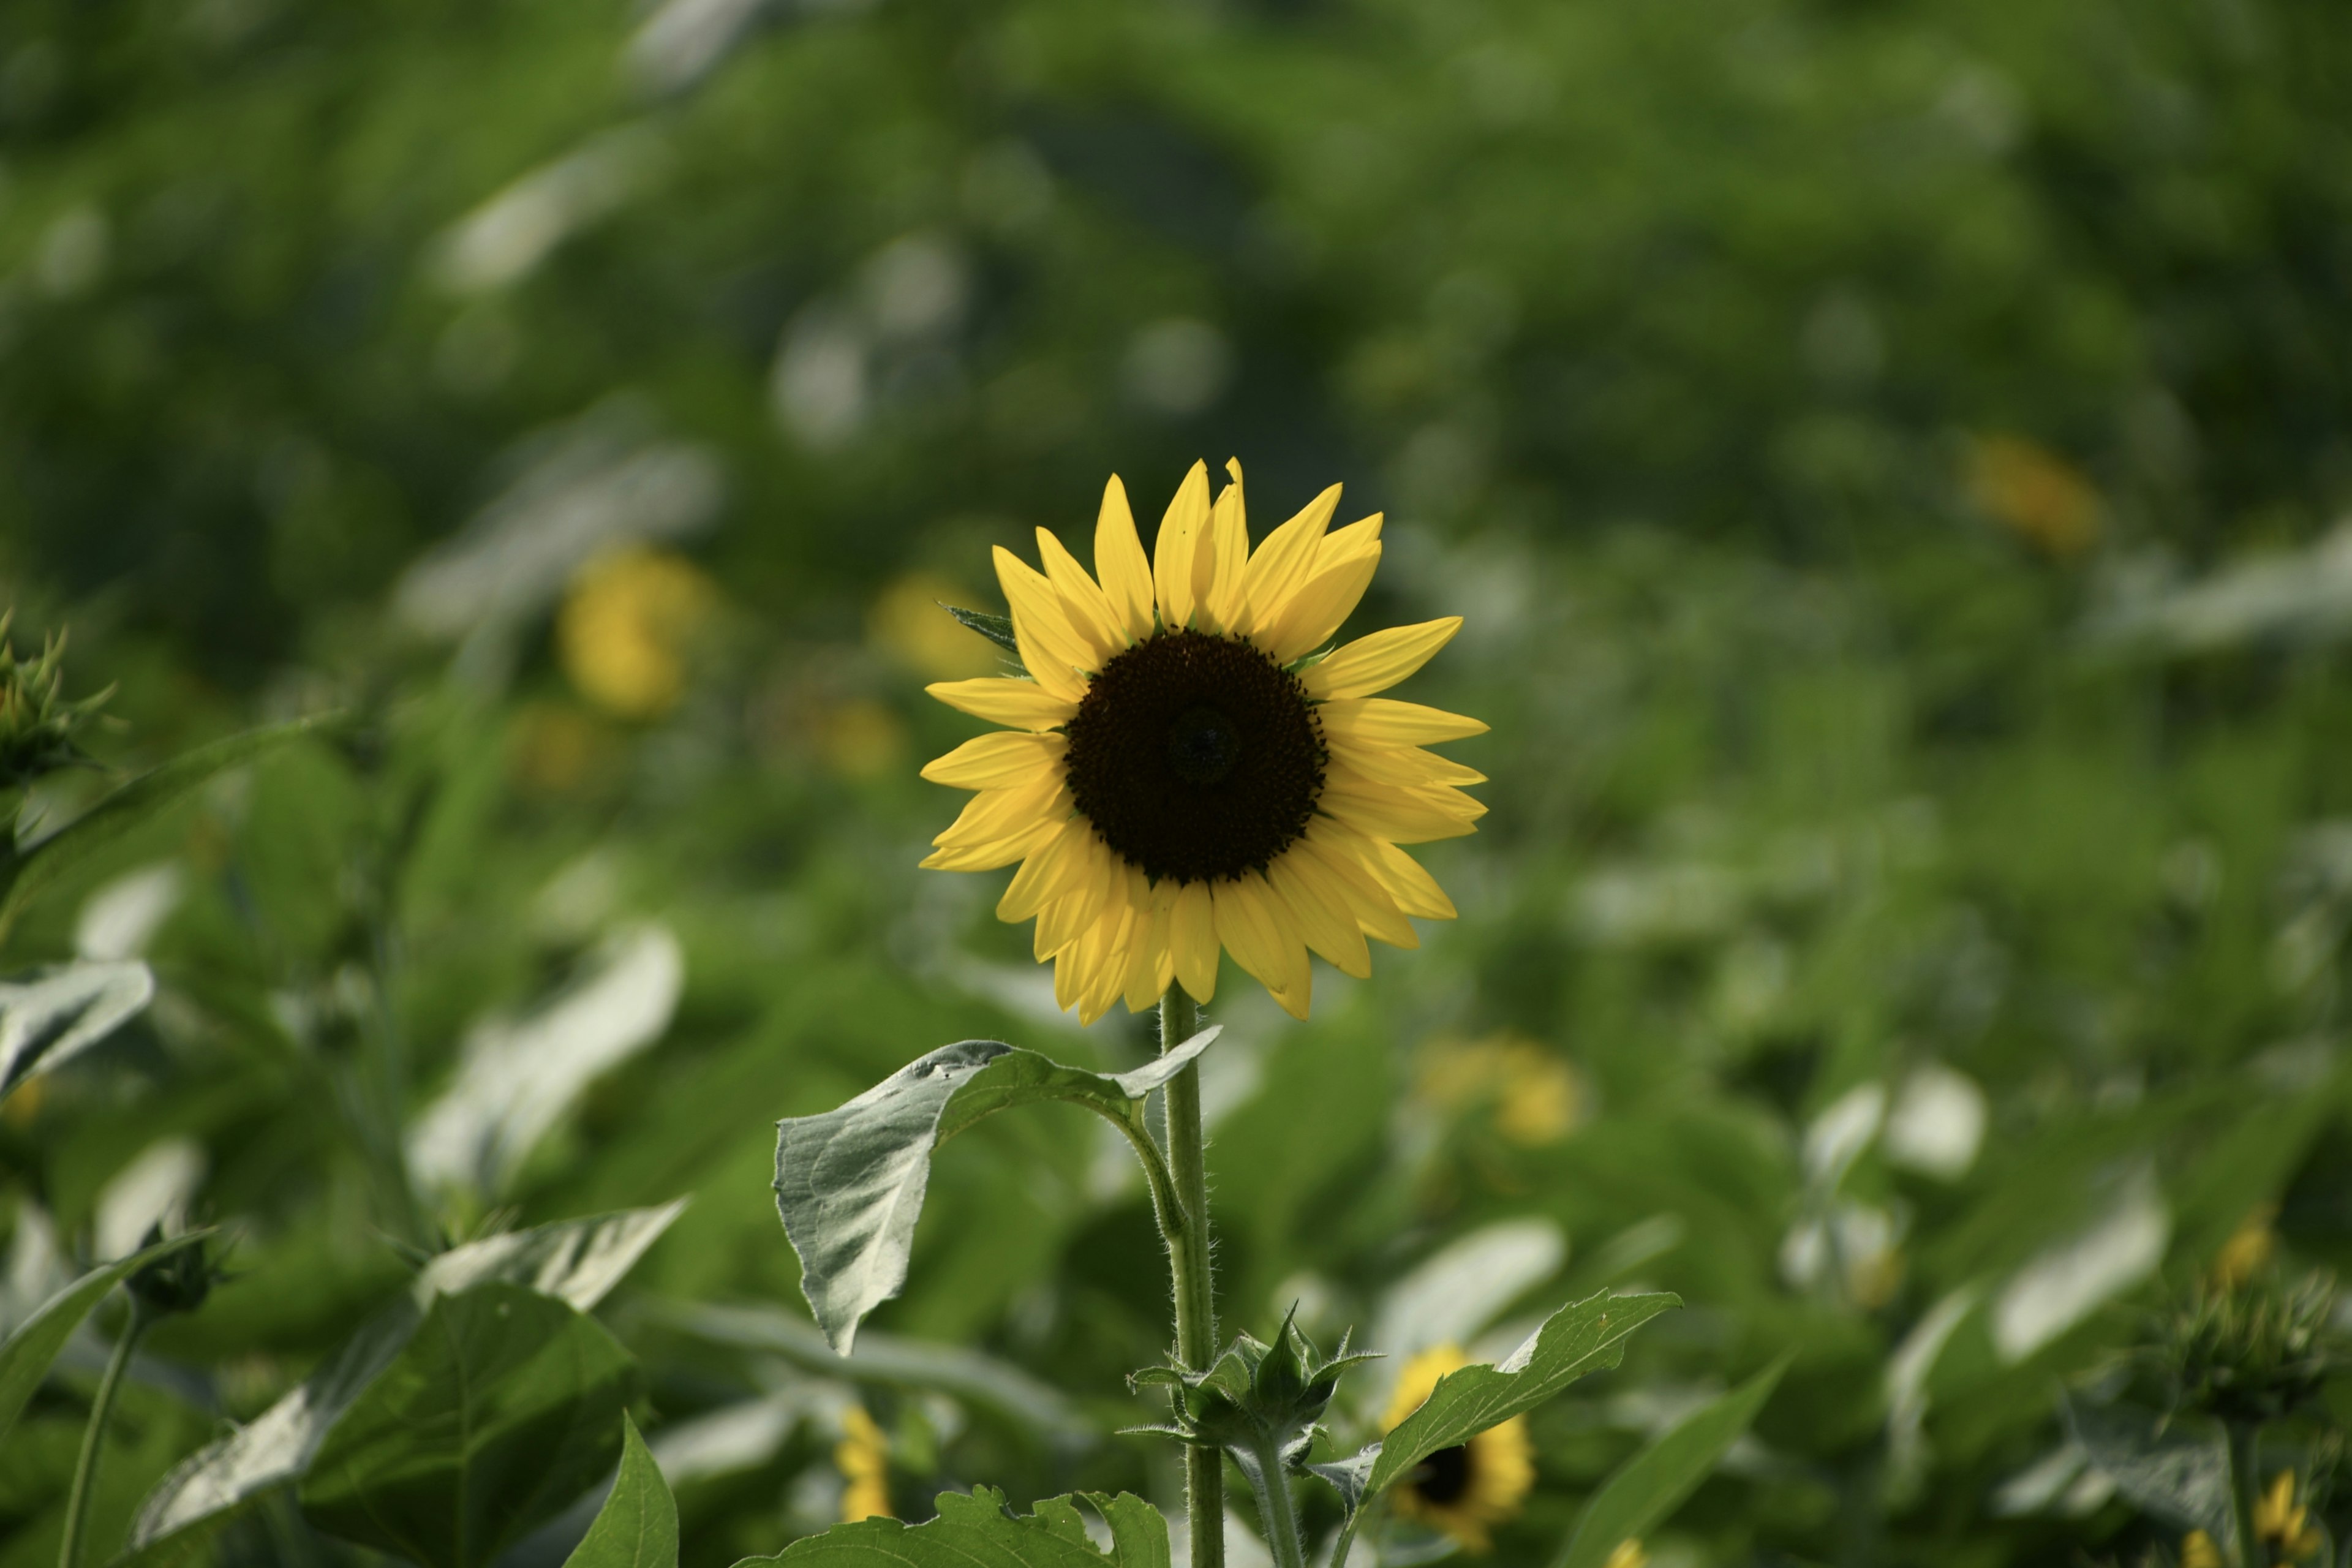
<point x="2245" y="1489"/>
<point x="93" y="1438"/>
<point x="1276" y="1512"/>
<point x="1190" y="1267"/>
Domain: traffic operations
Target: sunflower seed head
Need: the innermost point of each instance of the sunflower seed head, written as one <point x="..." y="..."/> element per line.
<point x="1256" y="1393"/>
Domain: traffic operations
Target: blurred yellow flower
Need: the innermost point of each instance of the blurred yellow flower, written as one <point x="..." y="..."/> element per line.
<point x="1629" y="1554"/>
<point x="2034" y="493"/>
<point x="1463" y="1492"/>
<point x="2283" y="1523"/>
<point x="1529" y="1090"/>
<point x="628" y="625"/>
<point x="861" y="739"/>
<point x="907" y="622"/>
<point x="551" y="747"/>
<point x="2250" y="1246"/>
<point x="2198" y="1551"/>
<point x="863" y="1457"/>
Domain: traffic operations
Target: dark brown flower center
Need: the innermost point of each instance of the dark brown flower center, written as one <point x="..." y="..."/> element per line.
<point x="1445" y="1476"/>
<point x="1195" y="757"/>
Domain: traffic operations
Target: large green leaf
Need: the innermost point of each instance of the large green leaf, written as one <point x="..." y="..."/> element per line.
<point x="25" y="1355"/>
<point x="1654" y="1483"/>
<point x="637" y="1526"/>
<point x="34" y="868"/>
<point x="2177" y="1471"/>
<point x="502" y="1409"/>
<point x="850" y="1181"/>
<point x="978" y="1531"/>
<point x="576" y="1261"/>
<point x="52" y="1015"/>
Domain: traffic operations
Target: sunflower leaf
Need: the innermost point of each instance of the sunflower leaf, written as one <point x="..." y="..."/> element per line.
<point x="980" y="1531"/>
<point x="1582" y="1337"/>
<point x="53" y="1014"/>
<point x="577" y="1262"/>
<point x="850" y="1183"/>
<point x="637" y="1526"/>
<point x="1654" y="1483"/>
<point x="997" y="629"/>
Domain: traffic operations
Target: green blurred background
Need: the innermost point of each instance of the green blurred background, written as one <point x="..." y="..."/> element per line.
<point x="1888" y="455"/>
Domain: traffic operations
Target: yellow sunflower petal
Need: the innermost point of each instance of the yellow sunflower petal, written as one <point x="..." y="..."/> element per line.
<point x="1378" y="661"/>
<point x="994" y="813"/>
<point x="1050" y="648"/>
<point x="1384" y="722"/>
<point x="1104" y="953"/>
<point x="1121" y="564"/>
<point x="1320" y="606"/>
<point x="1051" y="872"/>
<point x="1151" y="961"/>
<point x="1407" y="766"/>
<point x="1251" y="925"/>
<point x="1192" y="932"/>
<point x="1181" y="528"/>
<point x="988" y="855"/>
<point x="1068" y="919"/>
<point x="1347" y="543"/>
<point x="1281" y="564"/>
<point x="1401" y="816"/>
<point x="1090" y="614"/>
<point x="999" y="760"/>
<point x="1219" y="565"/>
<point x="1404" y="878"/>
<point x="1343" y="853"/>
<point x="1002" y="699"/>
<point x="1322" y="912"/>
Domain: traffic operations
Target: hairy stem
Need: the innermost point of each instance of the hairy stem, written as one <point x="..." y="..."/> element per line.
<point x="1189" y="1265"/>
<point x="2246" y="1490"/>
<point x="93" y="1438"/>
<point x="1277" y="1515"/>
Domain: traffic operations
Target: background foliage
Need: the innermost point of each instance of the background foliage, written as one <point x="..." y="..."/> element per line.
<point x="1886" y="456"/>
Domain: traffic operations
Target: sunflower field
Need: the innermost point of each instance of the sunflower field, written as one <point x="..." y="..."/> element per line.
<point x="886" y="784"/>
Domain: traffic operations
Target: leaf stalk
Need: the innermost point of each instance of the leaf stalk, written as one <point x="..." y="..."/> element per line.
<point x="93" y="1439"/>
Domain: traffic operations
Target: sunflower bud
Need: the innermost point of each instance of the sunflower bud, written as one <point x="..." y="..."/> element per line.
<point x="1256" y="1397"/>
<point x="2254" y="1354"/>
<point x="37" y="724"/>
<point x="175" y="1283"/>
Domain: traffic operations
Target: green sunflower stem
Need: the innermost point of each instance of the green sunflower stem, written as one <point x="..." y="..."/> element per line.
<point x="1190" y="1267"/>
<point x="2246" y="1490"/>
<point x="1276" y="1514"/>
<point x="93" y="1439"/>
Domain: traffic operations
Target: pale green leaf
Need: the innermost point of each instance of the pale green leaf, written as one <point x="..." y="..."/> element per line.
<point x="25" y="1355"/>
<point x="850" y="1181"/>
<point x="577" y="1262"/>
<point x="1652" y="1483"/>
<point x="50" y="1017"/>
<point x="504" y="1407"/>
<point x="2176" y="1472"/>
<point x="637" y="1526"/>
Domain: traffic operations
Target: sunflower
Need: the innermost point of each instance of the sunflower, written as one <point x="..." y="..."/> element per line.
<point x="863" y="1457"/>
<point x="1466" y="1490"/>
<point x="1185" y="773"/>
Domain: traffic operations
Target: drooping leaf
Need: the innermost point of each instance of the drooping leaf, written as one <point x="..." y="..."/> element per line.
<point x="997" y="629"/>
<point x="576" y="1261"/>
<point x="2173" y="1471"/>
<point x="25" y="1355"/>
<point x="504" y="1407"/>
<point x="34" y="868"/>
<point x="54" y="1015"/>
<point x="977" y="1531"/>
<point x="637" y="1526"/>
<point x="968" y="1375"/>
<point x="850" y="1181"/>
<point x="1652" y="1483"/>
